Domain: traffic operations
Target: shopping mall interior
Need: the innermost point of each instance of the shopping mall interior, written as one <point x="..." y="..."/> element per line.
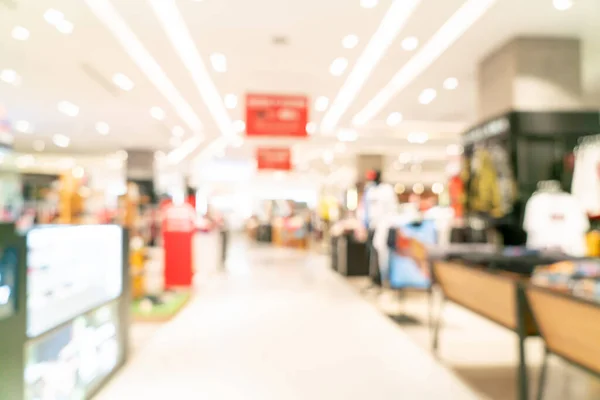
<point x="328" y="200"/>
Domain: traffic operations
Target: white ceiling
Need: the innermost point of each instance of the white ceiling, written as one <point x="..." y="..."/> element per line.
<point x="79" y="67"/>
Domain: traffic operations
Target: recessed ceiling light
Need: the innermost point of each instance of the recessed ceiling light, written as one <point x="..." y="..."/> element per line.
<point x="392" y="23"/>
<point x="219" y="62"/>
<point x="369" y="3"/>
<point x="178" y="131"/>
<point x="338" y="66"/>
<point x="427" y="96"/>
<point x="61" y="140"/>
<point x="53" y="17"/>
<point x="23" y="127"/>
<point x="399" y="188"/>
<point x="157" y="113"/>
<point x="350" y="41"/>
<point x="321" y="103"/>
<point x="418" y="188"/>
<point x="418" y="137"/>
<point x="103" y="128"/>
<point x="20" y="33"/>
<point x="230" y="101"/>
<point x="410" y="43"/>
<point x="460" y="22"/>
<point x="450" y="83"/>
<point x="123" y="82"/>
<point x="437" y="188"/>
<point x="109" y="16"/>
<point x="39" y="145"/>
<point x="239" y="125"/>
<point x="347" y="135"/>
<point x="394" y="119"/>
<point x="65" y="27"/>
<point x="311" y="128"/>
<point x="68" y="108"/>
<point x="10" y="76"/>
<point x="562" y="5"/>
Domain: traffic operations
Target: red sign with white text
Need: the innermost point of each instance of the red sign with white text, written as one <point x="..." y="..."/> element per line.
<point x="276" y="116"/>
<point x="271" y="158"/>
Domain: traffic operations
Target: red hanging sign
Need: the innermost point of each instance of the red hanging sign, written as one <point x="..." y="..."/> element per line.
<point x="272" y="158"/>
<point x="276" y="115"/>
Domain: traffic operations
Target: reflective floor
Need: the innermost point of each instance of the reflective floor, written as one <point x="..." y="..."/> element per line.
<point x="278" y="324"/>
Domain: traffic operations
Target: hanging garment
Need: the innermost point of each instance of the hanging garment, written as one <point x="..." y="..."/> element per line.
<point x="505" y="180"/>
<point x="381" y="201"/>
<point x="586" y="178"/>
<point x="456" y="189"/>
<point x="556" y="221"/>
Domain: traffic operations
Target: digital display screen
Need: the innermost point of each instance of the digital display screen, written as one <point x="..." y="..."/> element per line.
<point x="70" y="270"/>
<point x="9" y="264"/>
<point x="69" y="363"/>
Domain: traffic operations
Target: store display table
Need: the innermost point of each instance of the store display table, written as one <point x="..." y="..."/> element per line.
<point x="570" y="327"/>
<point x="498" y="296"/>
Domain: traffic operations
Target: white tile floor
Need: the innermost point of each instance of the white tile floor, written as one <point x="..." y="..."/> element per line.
<point x="280" y="325"/>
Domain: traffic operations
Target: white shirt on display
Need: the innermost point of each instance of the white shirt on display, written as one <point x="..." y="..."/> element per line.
<point x="586" y="178"/>
<point x="556" y="220"/>
<point x="381" y="202"/>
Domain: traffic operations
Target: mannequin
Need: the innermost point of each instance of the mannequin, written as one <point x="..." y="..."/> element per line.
<point x="379" y="201"/>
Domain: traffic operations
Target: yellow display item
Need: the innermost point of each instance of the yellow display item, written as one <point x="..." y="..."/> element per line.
<point x="71" y="203"/>
<point x="485" y="190"/>
<point x="593" y="243"/>
<point x="137" y="263"/>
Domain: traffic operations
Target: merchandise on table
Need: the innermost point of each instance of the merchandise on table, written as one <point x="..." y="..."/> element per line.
<point x="582" y="275"/>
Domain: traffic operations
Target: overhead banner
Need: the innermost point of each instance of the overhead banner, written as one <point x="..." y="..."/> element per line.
<point x="274" y="159"/>
<point x="276" y="116"/>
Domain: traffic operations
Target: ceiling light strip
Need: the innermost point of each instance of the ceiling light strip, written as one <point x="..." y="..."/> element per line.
<point x="184" y="150"/>
<point x="450" y="32"/>
<point x="109" y="16"/>
<point x="176" y="29"/>
<point x="389" y="28"/>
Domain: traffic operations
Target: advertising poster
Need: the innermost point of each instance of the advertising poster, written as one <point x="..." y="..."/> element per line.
<point x="276" y="116"/>
<point x="274" y="159"/>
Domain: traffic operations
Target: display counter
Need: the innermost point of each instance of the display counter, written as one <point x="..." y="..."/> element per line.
<point x="68" y="329"/>
<point x="496" y="295"/>
<point x="570" y="327"/>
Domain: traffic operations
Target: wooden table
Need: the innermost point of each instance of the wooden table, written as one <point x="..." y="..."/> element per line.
<point x="497" y="296"/>
<point x="570" y="327"/>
